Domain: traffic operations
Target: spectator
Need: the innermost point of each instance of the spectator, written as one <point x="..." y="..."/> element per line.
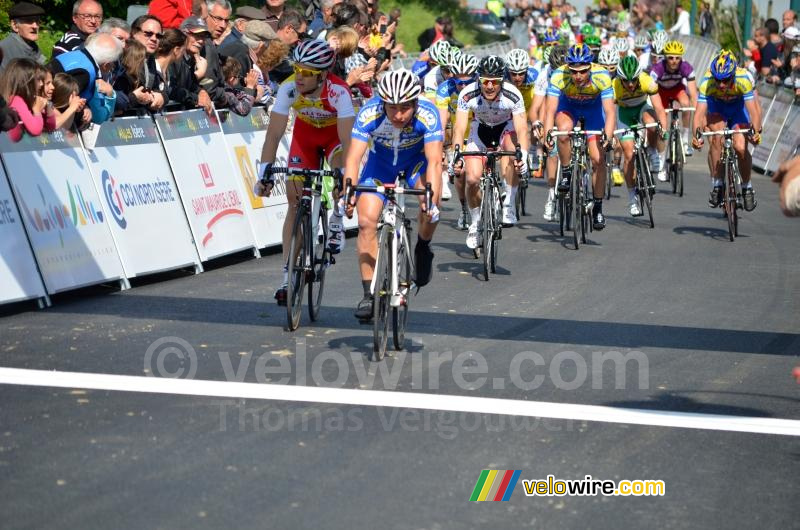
<point x="243" y="16"/>
<point x="439" y="31"/>
<point x="147" y="31"/>
<point x="21" y="42"/>
<point x="185" y="73"/>
<point x="273" y="11"/>
<point x="347" y="14"/>
<point x="319" y="27"/>
<point x="767" y="52"/>
<point x="239" y="100"/>
<point x="117" y="28"/>
<point x="267" y="59"/>
<point x="792" y="80"/>
<point x="706" y="22"/>
<point x="788" y="175"/>
<point x="66" y="101"/>
<point x="682" y="26"/>
<point x="170" y="49"/>
<point x="257" y="35"/>
<point x="87" y="15"/>
<point x="22" y="85"/>
<point x="129" y="85"/>
<point x="87" y="66"/>
<point x="789" y="19"/>
<point x="291" y="25"/>
<point x="774" y="33"/>
<point x="171" y="12"/>
<point x="217" y="21"/>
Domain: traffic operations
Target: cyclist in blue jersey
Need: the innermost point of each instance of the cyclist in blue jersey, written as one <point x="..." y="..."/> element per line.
<point x="402" y="132"/>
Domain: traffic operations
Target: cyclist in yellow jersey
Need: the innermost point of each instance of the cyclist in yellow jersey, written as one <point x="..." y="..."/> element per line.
<point x="582" y="90"/>
<point x="556" y="57"/>
<point x="726" y="100"/>
<point x="632" y="88"/>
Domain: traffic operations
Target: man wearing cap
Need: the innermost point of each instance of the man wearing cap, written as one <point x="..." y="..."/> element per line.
<point x="242" y="16"/>
<point x="87" y="15"/>
<point x="186" y="73"/>
<point x="257" y="34"/>
<point x="21" y="42"/>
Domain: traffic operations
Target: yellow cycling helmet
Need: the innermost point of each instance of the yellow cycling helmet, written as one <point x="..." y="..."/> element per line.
<point x="674" y="47"/>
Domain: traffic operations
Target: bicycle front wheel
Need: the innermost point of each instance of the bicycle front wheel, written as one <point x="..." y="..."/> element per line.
<point x="576" y="205"/>
<point x="297" y="270"/>
<point x="400" y="313"/>
<point x="319" y="265"/>
<point x="485" y="229"/>
<point x="644" y="178"/>
<point x="380" y="306"/>
<point x="730" y="200"/>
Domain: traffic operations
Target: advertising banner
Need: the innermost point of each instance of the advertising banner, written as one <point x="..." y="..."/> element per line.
<point x="140" y="199"/>
<point x="61" y="210"/>
<point x="19" y="277"/>
<point x="210" y="190"/>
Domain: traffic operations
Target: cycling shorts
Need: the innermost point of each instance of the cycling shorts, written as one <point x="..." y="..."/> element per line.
<point x="593" y="114"/>
<point x="668" y="95"/>
<point x="380" y="169"/>
<point x="734" y="112"/>
<point x="629" y="116"/>
<point x="483" y="137"/>
<point x="307" y="141"/>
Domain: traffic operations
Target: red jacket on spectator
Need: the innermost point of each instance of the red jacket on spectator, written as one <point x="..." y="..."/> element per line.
<point x="170" y="12"/>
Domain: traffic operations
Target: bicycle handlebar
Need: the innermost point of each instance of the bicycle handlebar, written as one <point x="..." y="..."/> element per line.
<point x="726" y="132"/>
<point x="579" y="132"/>
<point x="303" y="171"/>
<point x="517" y="153"/>
<point x="680" y="109"/>
<point x="635" y="128"/>
<point x="383" y="188"/>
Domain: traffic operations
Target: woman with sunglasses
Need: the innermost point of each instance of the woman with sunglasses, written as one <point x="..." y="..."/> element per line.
<point x="493" y="109"/>
<point x="402" y="133"/>
<point x="325" y="117"/>
<point x="632" y="88"/>
<point x="463" y="70"/>
<point x="580" y="89"/>
<point x="726" y="100"/>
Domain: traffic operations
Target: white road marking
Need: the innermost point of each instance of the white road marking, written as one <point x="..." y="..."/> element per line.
<point x="378" y="398"/>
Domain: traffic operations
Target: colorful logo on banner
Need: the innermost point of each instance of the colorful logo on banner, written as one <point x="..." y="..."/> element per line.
<point x="495" y="485"/>
<point x="49" y="216"/>
<point x="221" y="205"/>
<point x="248" y="175"/>
<point x="125" y="195"/>
<point x="205" y="172"/>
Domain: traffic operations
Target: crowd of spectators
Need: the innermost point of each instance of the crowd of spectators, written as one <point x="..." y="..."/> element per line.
<point x="773" y="54"/>
<point x="182" y="54"/>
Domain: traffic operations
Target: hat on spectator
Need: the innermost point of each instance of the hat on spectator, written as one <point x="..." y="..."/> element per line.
<point x="792" y="32"/>
<point x="25" y="9"/>
<point x="194" y="25"/>
<point x="250" y="13"/>
<point x="259" y="30"/>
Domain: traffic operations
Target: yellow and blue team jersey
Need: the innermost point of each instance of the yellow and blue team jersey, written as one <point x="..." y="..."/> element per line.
<point x="447" y="99"/>
<point x="740" y="90"/>
<point x="598" y="87"/>
<point x="526" y="88"/>
<point x="626" y="98"/>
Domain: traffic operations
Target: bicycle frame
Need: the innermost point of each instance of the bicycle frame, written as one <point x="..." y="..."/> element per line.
<point x="732" y="176"/>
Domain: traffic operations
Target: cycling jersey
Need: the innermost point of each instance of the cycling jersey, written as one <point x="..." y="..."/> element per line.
<point x="420" y="68"/>
<point x="740" y="90"/>
<point x="527" y="86"/>
<point x="397" y="145"/>
<point x="666" y="79"/>
<point x="431" y="82"/>
<point x="637" y="97"/>
<point x="598" y="86"/>
<point x="333" y="102"/>
<point x="542" y="82"/>
<point x="447" y="99"/>
<point x="508" y="103"/>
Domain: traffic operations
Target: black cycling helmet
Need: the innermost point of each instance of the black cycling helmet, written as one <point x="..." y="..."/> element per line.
<point x="558" y="57"/>
<point x="492" y="66"/>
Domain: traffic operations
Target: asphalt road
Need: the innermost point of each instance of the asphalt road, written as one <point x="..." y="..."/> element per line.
<point x="708" y="326"/>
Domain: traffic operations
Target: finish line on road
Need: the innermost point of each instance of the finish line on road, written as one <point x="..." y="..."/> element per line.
<point x="378" y="398"/>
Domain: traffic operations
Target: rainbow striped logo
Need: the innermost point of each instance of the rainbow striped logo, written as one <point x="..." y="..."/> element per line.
<point x="495" y="485"/>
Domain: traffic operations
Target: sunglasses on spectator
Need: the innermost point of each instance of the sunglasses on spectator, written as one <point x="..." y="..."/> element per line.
<point x="151" y="34"/>
<point x="305" y="72"/>
<point x="491" y="81"/>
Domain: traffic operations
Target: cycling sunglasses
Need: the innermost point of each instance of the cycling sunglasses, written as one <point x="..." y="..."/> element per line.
<point x="305" y="72"/>
<point x="491" y="81"/>
<point x="462" y="82"/>
<point x="580" y="69"/>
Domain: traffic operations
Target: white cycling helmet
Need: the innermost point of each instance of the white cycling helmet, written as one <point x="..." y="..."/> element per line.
<point x="465" y="64"/>
<point x="439" y="52"/>
<point x="660" y="39"/>
<point x="399" y="86"/>
<point x="517" y="60"/>
<point x="622" y="45"/>
<point x="608" y="56"/>
<point x="641" y="41"/>
<point x="315" y="54"/>
<point x="452" y="55"/>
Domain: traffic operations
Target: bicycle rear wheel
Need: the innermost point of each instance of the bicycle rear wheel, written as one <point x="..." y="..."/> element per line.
<point x="576" y="206"/>
<point x="297" y="271"/>
<point x="730" y="200"/>
<point x="380" y="306"/>
<point x="400" y="313"/>
<point x="319" y="264"/>
<point x="485" y="229"/>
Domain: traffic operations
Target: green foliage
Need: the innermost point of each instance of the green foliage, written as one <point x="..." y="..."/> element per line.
<point x="418" y="16"/>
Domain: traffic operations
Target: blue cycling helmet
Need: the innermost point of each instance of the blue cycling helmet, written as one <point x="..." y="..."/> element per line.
<point x="579" y="54"/>
<point x="723" y="65"/>
<point x="551" y="36"/>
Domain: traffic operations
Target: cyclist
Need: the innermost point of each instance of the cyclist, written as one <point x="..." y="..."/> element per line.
<point x="675" y="77"/>
<point x="403" y="133"/>
<point x="522" y="75"/>
<point x="557" y="58"/>
<point x="631" y="90"/>
<point x="497" y="110"/>
<point x="431" y="58"/>
<point x="640" y="45"/>
<point x="463" y="70"/>
<point x="609" y="59"/>
<point x="660" y="39"/>
<point x="622" y="45"/>
<point x="581" y="89"/>
<point x="325" y="117"/>
<point x="443" y="54"/>
<point x="726" y="100"/>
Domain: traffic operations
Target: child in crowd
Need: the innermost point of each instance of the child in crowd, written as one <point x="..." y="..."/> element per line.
<point x="22" y="85"/>
<point x="239" y="100"/>
<point x="66" y="100"/>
